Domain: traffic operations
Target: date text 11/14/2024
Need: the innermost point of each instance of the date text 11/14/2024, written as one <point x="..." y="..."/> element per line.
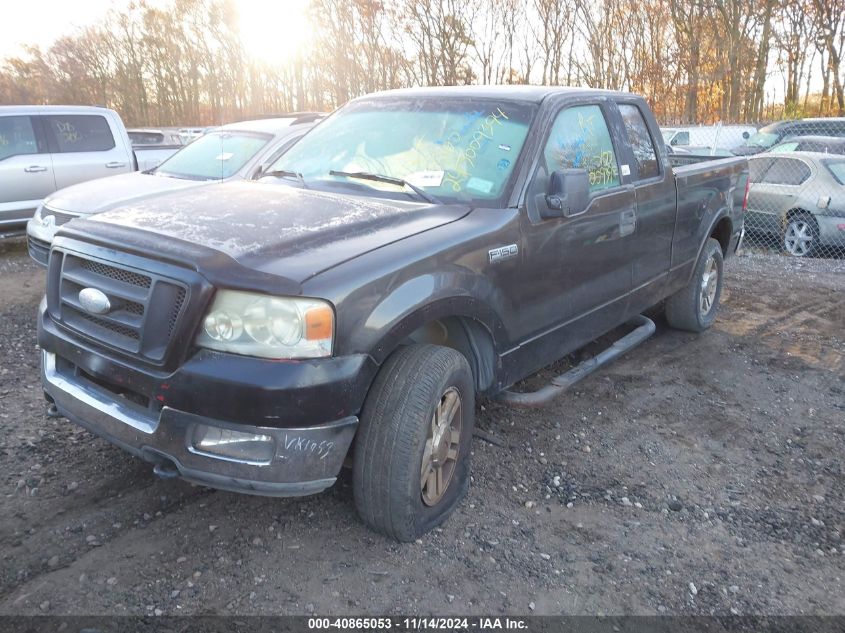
<point x="399" y="623"/>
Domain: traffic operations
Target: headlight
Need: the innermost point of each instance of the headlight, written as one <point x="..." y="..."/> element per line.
<point x="270" y="327"/>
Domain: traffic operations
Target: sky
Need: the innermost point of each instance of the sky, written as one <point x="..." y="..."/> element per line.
<point x="43" y="21"/>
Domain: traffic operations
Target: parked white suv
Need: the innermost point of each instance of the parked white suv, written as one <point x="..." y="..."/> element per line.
<point x="238" y="151"/>
<point x="45" y="148"/>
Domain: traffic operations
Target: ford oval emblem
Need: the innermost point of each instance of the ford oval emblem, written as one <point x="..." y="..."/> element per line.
<point x="94" y="301"/>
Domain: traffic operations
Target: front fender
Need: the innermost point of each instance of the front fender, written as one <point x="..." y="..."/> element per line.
<point x="454" y="292"/>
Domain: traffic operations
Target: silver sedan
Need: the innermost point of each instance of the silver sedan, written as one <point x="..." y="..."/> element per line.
<point x="238" y="151"/>
<point x="800" y="197"/>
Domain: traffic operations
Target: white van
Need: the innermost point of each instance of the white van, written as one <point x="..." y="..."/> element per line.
<point x="718" y="136"/>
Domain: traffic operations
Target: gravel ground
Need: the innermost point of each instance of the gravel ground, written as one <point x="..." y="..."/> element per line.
<point x="696" y="475"/>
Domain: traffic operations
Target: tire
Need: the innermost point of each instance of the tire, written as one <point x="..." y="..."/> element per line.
<point x="396" y="428"/>
<point x="694" y="307"/>
<point x="801" y="235"/>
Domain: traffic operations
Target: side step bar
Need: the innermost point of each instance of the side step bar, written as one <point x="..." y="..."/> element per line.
<point x="542" y="397"/>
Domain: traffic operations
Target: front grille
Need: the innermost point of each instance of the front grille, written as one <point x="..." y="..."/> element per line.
<point x="39" y="250"/>
<point x="144" y="308"/>
<point x="59" y="218"/>
<point x="119" y="274"/>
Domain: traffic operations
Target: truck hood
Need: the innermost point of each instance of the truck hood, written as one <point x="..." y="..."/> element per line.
<point x="274" y="228"/>
<point x="102" y="194"/>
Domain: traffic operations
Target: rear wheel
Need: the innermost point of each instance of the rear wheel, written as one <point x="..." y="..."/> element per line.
<point x="801" y="235"/>
<point x="694" y="307"/>
<point x="411" y="464"/>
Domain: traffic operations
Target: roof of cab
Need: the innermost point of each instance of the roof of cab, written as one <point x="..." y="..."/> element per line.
<point x="51" y="109"/>
<point x="520" y="92"/>
<point x="270" y="126"/>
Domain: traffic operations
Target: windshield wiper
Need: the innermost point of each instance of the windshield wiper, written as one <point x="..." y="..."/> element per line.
<point x="284" y="173"/>
<point x="365" y="175"/>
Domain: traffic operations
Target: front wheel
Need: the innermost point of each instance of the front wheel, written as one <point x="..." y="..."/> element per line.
<point x="411" y="463"/>
<point x="694" y="307"/>
<point x="801" y="235"/>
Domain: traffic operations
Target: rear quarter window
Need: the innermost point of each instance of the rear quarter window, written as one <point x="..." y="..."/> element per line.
<point x="80" y="133"/>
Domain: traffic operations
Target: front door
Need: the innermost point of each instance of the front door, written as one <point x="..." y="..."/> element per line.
<point x="578" y="269"/>
<point x="778" y="183"/>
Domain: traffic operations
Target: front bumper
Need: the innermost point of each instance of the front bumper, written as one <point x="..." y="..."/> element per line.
<point x="305" y="460"/>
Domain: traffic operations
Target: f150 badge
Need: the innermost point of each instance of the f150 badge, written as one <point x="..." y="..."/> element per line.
<point x="502" y="253"/>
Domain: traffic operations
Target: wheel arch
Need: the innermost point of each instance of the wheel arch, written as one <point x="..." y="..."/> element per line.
<point x="460" y="323"/>
<point x="720" y="224"/>
<point x="721" y="231"/>
<point x="795" y="211"/>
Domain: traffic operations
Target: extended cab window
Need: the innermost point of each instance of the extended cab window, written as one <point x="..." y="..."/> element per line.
<point x="16" y="136"/>
<point x="640" y="140"/>
<point x="787" y="171"/>
<point x="80" y="133"/>
<point x="580" y="140"/>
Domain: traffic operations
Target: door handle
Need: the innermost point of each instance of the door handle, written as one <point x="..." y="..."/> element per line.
<point x="115" y="165"/>
<point x="32" y="169"/>
<point x="627" y="222"/>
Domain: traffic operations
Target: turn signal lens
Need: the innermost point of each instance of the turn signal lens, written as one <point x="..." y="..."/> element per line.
<point x="319" y="323"/>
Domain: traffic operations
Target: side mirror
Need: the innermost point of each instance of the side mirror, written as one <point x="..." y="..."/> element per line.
<point x="568" y="195"/>
<point x="259" y="173"/>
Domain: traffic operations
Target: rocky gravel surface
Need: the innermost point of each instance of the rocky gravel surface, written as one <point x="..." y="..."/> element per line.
<point x="696" y="475"/>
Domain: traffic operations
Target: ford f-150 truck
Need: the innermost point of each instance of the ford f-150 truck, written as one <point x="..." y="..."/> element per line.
<point x="416" y="250"/>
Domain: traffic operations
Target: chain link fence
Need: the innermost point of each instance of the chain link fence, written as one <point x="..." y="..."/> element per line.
<point x="796" y="199"/>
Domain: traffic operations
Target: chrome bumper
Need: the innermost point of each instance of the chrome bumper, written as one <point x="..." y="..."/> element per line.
<point x="305" y="461"/>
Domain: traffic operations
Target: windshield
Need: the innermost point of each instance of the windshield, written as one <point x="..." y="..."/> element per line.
<point x="215" y="156"/>
<point x="455" y="149"/>
<point x="667" y="133"/>
<point x="765" y="137"/>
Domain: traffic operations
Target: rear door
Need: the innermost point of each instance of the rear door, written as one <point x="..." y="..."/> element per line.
<point x="656" y="204"/>
<point x="779" y="182"/>
<point x="84" y="147"/>
<point x="26" y="169"/>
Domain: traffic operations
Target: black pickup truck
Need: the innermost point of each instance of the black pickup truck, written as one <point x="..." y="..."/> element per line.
<point x="417" y="249"/>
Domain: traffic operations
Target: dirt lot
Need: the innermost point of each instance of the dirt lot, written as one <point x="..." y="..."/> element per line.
<point x="699" y="474"/>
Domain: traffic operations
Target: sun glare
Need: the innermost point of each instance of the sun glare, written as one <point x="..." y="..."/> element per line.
<point x="273" y="31"/>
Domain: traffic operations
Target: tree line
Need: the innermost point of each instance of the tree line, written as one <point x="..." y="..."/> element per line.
<point x="694" y="60"/>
